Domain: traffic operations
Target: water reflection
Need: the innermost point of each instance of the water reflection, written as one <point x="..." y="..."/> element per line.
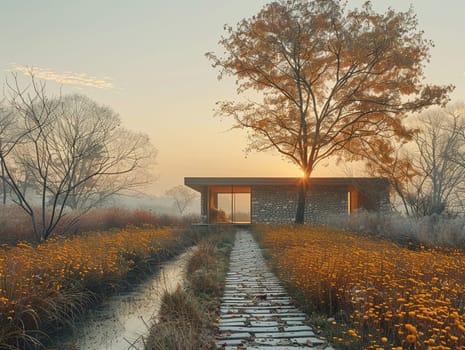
<point x="121" y="321"/>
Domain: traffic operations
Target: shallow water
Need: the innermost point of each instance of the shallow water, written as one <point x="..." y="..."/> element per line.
<point x="121" y="322"/>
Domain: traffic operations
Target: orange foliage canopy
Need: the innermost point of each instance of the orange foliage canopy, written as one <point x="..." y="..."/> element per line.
<point x="331" y="81"/>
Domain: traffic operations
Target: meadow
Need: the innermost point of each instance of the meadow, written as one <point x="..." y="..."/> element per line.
<point x="45" y="287"/>
<point x="371" y="293"/>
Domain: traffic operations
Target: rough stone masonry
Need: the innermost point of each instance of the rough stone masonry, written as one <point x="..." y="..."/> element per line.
<point x="256" y="312"/>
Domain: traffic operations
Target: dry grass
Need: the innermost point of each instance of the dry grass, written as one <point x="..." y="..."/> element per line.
<point x="15" y="225"/>
<point x="104" y="219"/>
<point x="47" y="286"/>
<point x="181" y="324"/>
<point x="175" y="335"/>
<point x="180" y="306"/>
<point x="434" y="230"/>
<point x="382" y="295"/>
<point x="204" y="258"/>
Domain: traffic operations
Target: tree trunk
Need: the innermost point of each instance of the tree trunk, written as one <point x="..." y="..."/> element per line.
<point x="3" y="185"/>
<point x="300" y="215"/>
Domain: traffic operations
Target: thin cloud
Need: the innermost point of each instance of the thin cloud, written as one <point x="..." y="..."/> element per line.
<point x="68" y="78"/>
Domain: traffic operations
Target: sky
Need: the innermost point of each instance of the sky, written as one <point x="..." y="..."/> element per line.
<point x="146" y="60"/>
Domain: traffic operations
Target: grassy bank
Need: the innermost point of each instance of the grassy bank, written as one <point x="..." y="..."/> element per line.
<point x="189" y="315"/>
<point x="368" y="293"/>
<point x="44" y="288"/>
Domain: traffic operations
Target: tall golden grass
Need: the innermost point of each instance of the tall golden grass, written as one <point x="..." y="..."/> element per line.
<point x="382" y="295"/>
<point x="45" y="286"/>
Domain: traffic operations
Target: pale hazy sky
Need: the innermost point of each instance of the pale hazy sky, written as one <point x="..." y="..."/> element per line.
<point x="145" y="59"/>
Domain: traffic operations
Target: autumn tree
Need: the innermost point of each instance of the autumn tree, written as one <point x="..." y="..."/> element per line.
<point x="182" y="197"/>
<point x="72" y="150"/>
<point x="325" y="81"/>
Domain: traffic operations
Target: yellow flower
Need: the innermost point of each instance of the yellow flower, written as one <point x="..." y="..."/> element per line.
<point x="411" y="329"/>
<point x="411" y="338"/>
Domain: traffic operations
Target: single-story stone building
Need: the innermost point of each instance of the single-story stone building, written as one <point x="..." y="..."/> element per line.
<point x="257" y="200"/>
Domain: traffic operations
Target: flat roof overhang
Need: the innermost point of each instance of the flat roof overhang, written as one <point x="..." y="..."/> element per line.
<point x="200" y="183"/>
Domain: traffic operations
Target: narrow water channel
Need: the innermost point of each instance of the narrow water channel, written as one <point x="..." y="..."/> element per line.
<point x="121" y="321"/>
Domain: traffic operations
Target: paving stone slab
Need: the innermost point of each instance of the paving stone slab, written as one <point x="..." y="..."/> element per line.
<point x="264" y="323"/>
<point x="294" y="318"/>
<point x="231" y="324"/>
<point x="306" y="341"/>
<point x="287" y="335"/>
<point x="259" y="306"/>
<point x="311" y="340"/>
<point x="297" y="328"/>
<point x="293" y="323"/>
<point x="250" y="329"/>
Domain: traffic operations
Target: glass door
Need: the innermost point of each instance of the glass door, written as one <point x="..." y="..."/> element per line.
<point x="224" y="208"/>
<point x="241" y="208"/>
<point x="229" y="204"/>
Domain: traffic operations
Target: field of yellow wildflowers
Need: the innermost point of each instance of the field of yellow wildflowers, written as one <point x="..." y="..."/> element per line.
<point x="381" y="295"/>
<point x="45" y="286"/>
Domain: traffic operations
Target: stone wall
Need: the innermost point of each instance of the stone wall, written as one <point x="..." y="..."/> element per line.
<point x="278" y="206"/>
<point x="324" y="204"/>
<point x="273" y="206"/>
<point x="204" y="205"/>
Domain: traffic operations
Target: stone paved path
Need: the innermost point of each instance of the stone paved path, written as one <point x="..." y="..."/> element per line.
<point x="256" y="312"/>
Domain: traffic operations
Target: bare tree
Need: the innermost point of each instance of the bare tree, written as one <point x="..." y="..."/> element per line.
<point x="426" y="173"/>
<point x="440" y="146"/>
<point x="111" y="159"/>
<point x="329" y="82"/>
<point x="182" y="197"/>
<point x="74" y="150"/>
<point x="32" y="114"/>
